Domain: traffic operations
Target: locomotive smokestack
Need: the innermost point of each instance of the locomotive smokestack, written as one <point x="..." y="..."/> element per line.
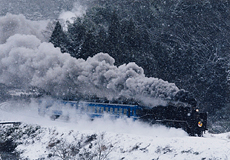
<point x="185" y="96"/>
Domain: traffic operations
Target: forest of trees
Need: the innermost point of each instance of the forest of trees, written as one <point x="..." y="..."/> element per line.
<point x="180" y="41"/>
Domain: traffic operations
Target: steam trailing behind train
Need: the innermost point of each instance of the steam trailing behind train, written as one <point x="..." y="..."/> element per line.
<point x="180" y="113"/>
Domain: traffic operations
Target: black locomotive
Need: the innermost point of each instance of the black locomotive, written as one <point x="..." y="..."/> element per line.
<point x="182" y="112"/>
<point x="185" y="117"/>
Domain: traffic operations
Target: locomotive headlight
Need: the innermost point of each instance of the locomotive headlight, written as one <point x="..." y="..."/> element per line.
<point x="200" y="124"/>
<point x="197" y="110"/>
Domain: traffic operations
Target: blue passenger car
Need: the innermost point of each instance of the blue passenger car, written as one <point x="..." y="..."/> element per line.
<point x="114" y="110"/>
<point x="95" y="109"/>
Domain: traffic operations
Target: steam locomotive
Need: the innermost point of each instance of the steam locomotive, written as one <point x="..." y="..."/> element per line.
<point x="176" y="115"/>
<point x="180" y="113"/>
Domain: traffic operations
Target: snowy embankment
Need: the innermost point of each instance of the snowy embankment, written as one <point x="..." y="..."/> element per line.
<point x="40" y="137"/>
<point x="53" y="142"/>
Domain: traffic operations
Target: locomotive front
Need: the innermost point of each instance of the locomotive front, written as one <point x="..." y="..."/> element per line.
<point x="197" y="122"/>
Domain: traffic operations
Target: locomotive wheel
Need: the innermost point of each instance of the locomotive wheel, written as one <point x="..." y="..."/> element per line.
<point x="200" y="134"/>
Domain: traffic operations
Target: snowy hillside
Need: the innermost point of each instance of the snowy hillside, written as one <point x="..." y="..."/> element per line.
<point x="39" y="137"/>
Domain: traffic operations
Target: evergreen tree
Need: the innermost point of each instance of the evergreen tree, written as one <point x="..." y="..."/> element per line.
<point x="89" y="46"/>
<point x="58" y="38"/>
<point x="76" y="35"/>
<point x="114" y="38"/>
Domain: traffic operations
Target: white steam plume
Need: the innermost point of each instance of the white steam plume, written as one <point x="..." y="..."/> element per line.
<point x="27" y="61"/>
<point x="18" y="24"/>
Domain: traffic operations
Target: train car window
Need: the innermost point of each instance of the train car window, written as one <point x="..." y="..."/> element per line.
<point x="132" y="112"/>
<point x="106" y="109"/>
<point x="111" y="110"/>
<point x="125" y="111"/>
<point x="115" y="111"/>
<point x="93" y="109"/>
<point x="120" y="111"/>
<point x="98" y="109"/>
<point x="101" y="109"/>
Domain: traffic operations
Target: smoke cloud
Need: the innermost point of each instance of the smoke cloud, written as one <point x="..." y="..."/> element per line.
<point x="18" y="24"/>
<point x="26" y="60"/>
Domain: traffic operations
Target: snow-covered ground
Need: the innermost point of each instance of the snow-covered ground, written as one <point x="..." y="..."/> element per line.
<point x="107" y="139"/>
<point x="132" y="146"/>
